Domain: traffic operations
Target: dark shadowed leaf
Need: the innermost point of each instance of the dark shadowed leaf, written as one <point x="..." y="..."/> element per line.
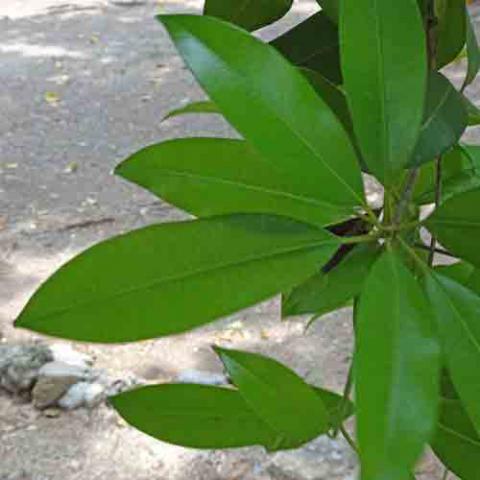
<point x="204" y="106"/>
<point x="278" y="396"/>
<point x="473" y="53"/>
<point x="196" y="416"/>
<point x="456" y="443"/>
<point x="313" y="44"/>
<point x="170" y="278"/>
<point x="331" y="8"/>
<point x="249" y="14"/>
<point x="328" y="291"/>
<point x="289" y="125"/>
<point x="454" y="164"/>
<point x="451" y="29"/>
<point x="457" y="310"/>
<point x="385" y="92"/>
<point x="214" y="176"/>
<point x="397" y="371"/>
<point x="445" y="120"/>
<point x="456" y="223"/>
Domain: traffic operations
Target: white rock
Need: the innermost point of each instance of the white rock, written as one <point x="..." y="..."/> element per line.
<point x="82" y="394"/>
<point x="62" y="369"/>
<point x="66" y="354"/>
<point x="94" y="395"/>
<point x="202" y="377"/>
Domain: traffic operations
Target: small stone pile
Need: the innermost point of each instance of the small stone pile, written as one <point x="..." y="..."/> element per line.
<point x="56" y="376"/>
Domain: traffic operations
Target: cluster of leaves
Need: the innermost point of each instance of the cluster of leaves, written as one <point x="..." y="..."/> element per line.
<point x="283" y="210"/>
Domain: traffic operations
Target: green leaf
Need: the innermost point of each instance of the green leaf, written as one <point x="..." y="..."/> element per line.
<point x="204" y="106"/>
<point x="456" y="223"/>
<point x="460" y="271"/>
<point x="278" y="396"/>
<point x="473" y="112"/>
<point x="249" y="14"/>
<point x="456" y="443"/>
<point x="289" y="125"/>
<point x="338" y="408"/>
<point x="201" y="416"/>
<point x="214" y="176"/>
<point x="313" y="44"/>
<point x="328" y="291"/>
<point x="450" y="31"/>
<point x="454" y="164"/>
<point x="456" y="311"/>
<point x="170" y="278"/>
<point x="473" y="53"/>
<point x="196" y="416"/>
<point x="397" y="371"/>
<point x="385" y="92"/>
<point x="331" y="8"/>
<point x="444" y="122"/>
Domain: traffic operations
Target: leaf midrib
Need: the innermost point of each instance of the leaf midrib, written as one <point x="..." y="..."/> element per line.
<point x="189" y="275"/>
<point x="247" y="186"/>
<point x="253" y="92"/>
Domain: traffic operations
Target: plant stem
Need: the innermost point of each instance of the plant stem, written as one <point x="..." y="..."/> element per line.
<point x="438" y="197"/>
<point x="360" y="238"/>
<point x="345" y="397"/>
<point x="349" y="439"/>
<point x="441" y="251"/>
<point x="445" y="474"/>
<point x="406" y="194"/>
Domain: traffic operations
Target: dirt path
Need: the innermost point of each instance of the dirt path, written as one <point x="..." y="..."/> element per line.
<point x="83" y="84"/>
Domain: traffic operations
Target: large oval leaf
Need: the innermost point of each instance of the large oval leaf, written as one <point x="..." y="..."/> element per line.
<point x="385" y="92"/>
<point x="397" y="371"/>
<point x="278" y="396"/>
<point x="289" y="125"/>
<point x="456" y="443"/>
<point x="444" y="123"/>
<point x="450" y="31"/>
<point x="457" y="310"/>
<point x="201" y="416"/>
<point x="456" y="223"/>
<point x="249" y="14"/>
<point x="169" y="278"/>
<point x="196" y="416"/>
<point x="214" y="176"/>
<point x="313" y="44"/>
<point x="328" y="291"/>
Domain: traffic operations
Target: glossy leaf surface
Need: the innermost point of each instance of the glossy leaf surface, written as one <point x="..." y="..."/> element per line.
<point x="328" y="291"/>
<point x="313" y="44"/>
<point x="397" y="371"/>
<point x="170" y="278"/>
<point x="196" y="416"/>
<point x="249" y="14"/>
<point x="214" y="176"/>
<point x="289" y="125"/>
<point x="456" y="223"/>
<point x="444" y="123"/>
<point x="385" y="92"/>
<point x="450" y="31"/>
<point x="456" y="442"/>
<point x="457" y="310"/>
<point x="280" y="397"/>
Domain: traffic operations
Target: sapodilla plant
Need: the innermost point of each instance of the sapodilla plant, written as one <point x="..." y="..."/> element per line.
<point x="355" y="89"/>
